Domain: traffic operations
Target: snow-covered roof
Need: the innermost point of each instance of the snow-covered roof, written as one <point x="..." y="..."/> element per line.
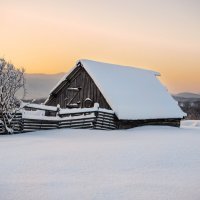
<point x="132" y="93"/>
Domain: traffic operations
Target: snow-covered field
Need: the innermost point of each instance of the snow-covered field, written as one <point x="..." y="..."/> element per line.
<point x="151" y="163"/>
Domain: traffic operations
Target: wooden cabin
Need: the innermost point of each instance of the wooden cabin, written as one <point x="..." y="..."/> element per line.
<point x="135" y="95"/>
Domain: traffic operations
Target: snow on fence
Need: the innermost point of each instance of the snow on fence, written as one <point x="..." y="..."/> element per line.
<point x="31" y="123"/>
<point x="88" y="119"/>
<point x="91" y="118"/>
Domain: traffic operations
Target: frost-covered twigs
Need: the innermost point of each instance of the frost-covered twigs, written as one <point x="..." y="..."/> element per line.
<point x="11" y="80"/>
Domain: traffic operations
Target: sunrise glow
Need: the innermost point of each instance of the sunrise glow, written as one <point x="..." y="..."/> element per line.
<point x="50" y="36"/>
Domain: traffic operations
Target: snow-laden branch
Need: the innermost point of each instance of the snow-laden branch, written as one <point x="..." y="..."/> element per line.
<point x="11" y="80"/>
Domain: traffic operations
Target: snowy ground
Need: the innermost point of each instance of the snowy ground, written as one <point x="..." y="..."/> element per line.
<point x="190" y="124"/>
<point x="147" y="163"/>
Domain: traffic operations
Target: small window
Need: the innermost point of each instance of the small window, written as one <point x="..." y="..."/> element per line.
<point x="88" y="103"/>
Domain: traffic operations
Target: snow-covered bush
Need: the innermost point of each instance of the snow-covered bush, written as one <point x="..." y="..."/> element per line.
<point x="11" y="80"/>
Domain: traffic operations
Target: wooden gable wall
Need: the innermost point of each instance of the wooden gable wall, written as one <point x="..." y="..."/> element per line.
<point x="67" y="95"/>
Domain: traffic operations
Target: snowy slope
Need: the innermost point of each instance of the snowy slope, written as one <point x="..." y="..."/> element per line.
<point x="154" y="163"/>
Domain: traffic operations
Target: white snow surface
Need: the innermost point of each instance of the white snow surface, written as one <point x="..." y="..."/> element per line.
<point x="142" y="163"/>
<point x="190" y="123"/>
<point x="131" y="92"/>
<point x="83" y="110"/>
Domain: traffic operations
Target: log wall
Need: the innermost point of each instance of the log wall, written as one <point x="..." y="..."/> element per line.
<point x="126" y="124"/>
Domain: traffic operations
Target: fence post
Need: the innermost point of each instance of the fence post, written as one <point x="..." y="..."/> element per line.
<point x="22" y="125"/>
<point x="58" y="124"/>
<point x="96" y="112"/>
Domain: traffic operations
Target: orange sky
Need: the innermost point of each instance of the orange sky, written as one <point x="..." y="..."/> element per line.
<point x="47" y="36"/>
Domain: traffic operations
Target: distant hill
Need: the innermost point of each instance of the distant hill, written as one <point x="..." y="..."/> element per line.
<point x="188" y="95"/>
<point x="189" y="103"/>
<point x="39" y="85"/>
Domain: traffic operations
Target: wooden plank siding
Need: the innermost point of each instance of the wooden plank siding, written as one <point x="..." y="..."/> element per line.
<point x="78" y="78"/>
<point x="126" y="124"/>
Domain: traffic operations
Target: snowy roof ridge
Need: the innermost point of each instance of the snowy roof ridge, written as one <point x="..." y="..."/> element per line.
<point x="120" y="66"/>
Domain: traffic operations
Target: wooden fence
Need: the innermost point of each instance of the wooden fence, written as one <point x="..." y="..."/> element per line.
<point x="1" y="128"/>
<point x="105" y="120"/>
<point x="16" y="123"/>
<point x="90" y="119"/>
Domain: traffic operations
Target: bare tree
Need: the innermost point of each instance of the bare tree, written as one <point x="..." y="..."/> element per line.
<point x="11" y="80"/>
